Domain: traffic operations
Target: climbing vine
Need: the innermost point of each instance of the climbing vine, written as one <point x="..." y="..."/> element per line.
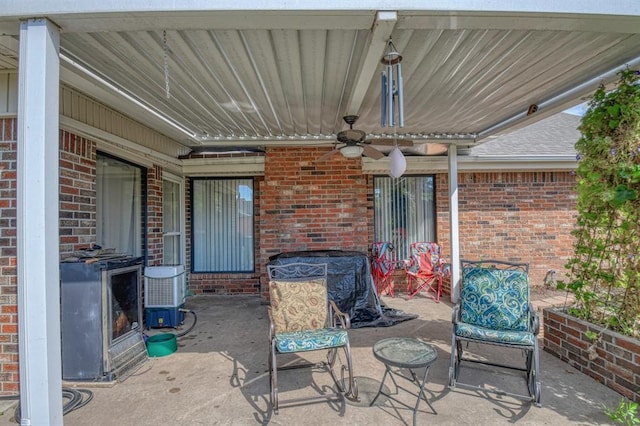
<point x="604" y="271"/>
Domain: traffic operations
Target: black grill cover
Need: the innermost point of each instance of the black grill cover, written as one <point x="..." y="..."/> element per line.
<point x="350" y="285"/>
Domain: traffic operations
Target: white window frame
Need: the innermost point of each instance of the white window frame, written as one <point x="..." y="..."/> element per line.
<point x="182" y="221"/>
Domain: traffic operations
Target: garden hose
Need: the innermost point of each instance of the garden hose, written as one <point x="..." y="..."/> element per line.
<point x="195" y="320"/>
<point x="75" y="398"/>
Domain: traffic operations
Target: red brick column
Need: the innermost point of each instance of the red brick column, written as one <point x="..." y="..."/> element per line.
<point x="9" y="368"/>
<point x="154" y="216"/>
<point x="77" y="193"/>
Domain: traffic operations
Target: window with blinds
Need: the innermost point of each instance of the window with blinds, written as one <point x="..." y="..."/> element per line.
<point x="404" y="211"/>
<point x="222" y="225"/>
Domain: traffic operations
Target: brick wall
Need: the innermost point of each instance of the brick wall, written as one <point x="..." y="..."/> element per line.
<point x="300" y="205"/>
<point x="312" y="206"/>
<point x="154" y="216"/>
<point x="9" y="368"/>
<point x="308" y="205"/>
<point x="517" y="216"/>
<point x="77" y="193"/>
<point x="615" y="362"/>
<point x="514" y="216"/>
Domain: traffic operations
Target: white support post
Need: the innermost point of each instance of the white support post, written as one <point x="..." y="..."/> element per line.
<point x="37" y="224"/>
<point x="454" y="224"/>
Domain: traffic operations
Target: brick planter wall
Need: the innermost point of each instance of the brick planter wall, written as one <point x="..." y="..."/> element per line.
<point x="617" y="364"/>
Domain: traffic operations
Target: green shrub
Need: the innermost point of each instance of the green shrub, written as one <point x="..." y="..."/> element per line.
<point x="604" y="272"/>
<point x="626" y="413"/>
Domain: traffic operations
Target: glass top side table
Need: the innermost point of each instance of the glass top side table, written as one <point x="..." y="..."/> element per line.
<point x="410" y="354"/>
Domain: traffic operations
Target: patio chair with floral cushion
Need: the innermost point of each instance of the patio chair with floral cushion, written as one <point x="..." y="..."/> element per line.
<point x="382" y="267"/>
<point x="494" y="309"/>
<point x="302" y="319"/>
<point x="425" y="269"/>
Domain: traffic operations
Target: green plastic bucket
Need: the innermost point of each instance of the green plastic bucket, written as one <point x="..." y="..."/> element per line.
<point x="161" y="344"/>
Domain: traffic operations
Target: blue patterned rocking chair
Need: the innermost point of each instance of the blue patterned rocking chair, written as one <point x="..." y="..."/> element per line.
<point x="302" y="319"/>
<point x="494" y="309"/>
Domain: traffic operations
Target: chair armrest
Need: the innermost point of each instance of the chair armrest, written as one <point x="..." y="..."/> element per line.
<point x="337" y="316"/>
<point x="444" y="268"/>
<point x="407" y="264"/>
<point x="455" y="313"/>
<point x="534" y="321"/>
<point x="272" y="326"/>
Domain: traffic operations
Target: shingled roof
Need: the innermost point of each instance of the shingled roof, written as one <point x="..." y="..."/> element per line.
<point x="555" y="135"/>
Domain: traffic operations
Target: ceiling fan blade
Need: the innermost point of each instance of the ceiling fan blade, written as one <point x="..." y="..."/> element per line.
<point x="390" y="142"/>
<point x="435" y="148"/>
<point x="327" y="155"/>
<point x="372" y="152"/>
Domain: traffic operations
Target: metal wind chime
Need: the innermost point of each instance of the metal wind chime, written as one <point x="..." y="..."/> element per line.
<point x="392" y="111"/>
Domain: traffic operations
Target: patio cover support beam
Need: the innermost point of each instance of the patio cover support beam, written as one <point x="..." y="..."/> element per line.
<point x="560" y="102"/>
<point x="37" y="224"/>
<point x="376" y="44"/>
<point x="454" y="223"/>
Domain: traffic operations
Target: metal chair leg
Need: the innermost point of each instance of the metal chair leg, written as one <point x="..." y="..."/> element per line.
<point x="273" y="378"/>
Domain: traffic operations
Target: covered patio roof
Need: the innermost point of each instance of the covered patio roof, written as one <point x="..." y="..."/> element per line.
<point x="247" y="73"/>
<point x="260" y="73"/>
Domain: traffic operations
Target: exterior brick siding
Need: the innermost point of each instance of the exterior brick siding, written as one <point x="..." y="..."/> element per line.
<point x="77" y="193"/>
<point x="9" y="367"/>
<point x="312" y="206"/>
<point x="154" y="216"/>
<point x="514" y="216"/>
<point x="309" y="205"/>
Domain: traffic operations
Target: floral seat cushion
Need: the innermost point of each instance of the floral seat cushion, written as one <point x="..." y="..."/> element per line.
<point x="495" y="299"/>
<point x="298" y="305"/>
<point x="311" y="340"/>
<point x="470" y="331"/>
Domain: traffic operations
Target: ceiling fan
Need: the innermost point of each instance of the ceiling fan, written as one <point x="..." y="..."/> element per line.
<point x="354" y="144"/>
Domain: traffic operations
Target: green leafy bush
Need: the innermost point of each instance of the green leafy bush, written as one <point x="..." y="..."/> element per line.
<point x="604" y="272"/>
<point x="626" y="413"/>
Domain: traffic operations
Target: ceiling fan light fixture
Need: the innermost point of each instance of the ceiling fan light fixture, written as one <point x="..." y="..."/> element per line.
<point x="351" y="151"/>
<point x="397" y="163"/>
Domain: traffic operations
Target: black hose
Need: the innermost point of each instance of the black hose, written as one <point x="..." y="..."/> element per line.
<point x="9" y="397"/>
<point x="195" y="320"/>
<point x="77" y="398"/>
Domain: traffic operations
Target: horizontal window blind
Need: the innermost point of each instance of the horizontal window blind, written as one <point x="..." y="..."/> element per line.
<point x="222" y="225"/>
<point x="404" y="211"/>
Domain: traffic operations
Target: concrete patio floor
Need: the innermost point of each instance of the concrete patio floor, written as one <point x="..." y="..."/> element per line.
<point x="218" y="376"/>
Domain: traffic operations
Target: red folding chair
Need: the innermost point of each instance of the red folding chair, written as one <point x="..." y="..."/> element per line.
<point x="382" y="267"/>
<point x="425" y="270"/>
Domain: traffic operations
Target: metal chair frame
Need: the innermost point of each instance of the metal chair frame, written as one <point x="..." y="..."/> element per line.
<point x="347" y="386"/>
<point x="531" y="365"/>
